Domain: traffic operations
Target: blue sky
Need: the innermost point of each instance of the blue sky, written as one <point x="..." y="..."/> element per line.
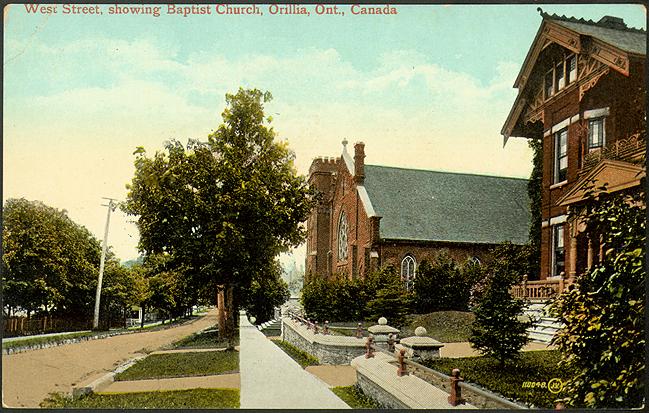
<point x="428" y="88"/>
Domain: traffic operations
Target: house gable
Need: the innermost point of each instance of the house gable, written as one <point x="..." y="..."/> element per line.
<point x="599" y="47"/>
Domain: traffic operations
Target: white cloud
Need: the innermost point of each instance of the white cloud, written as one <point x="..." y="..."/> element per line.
<point x="408" y="110"/>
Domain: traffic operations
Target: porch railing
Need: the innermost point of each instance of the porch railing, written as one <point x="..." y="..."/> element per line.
<point x="540" y="290"/>
<point x="630" y="149"/>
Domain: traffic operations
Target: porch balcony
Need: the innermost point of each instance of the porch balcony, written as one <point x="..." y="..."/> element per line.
<point x="539" y="291"/>
<point x="630" y="149"/>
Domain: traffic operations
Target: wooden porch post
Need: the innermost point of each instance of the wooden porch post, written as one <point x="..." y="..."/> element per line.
<point x="573" y="256"/>
<point x="591" y="253"/>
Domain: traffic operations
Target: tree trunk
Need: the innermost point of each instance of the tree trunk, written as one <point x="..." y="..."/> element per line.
<point x="142" y="320"/>
<point x="220" y="308"/>
<point x="230" y="324"/>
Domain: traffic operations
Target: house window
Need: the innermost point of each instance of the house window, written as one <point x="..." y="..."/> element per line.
<point x="342" y="237"/>
<point x="571" y="68"/>
<point x="549" y="81"/>
<point x="560" y="75"/>
<point x="560" y="155"/>
<point x="408" y="268"/>
<point x="596" y="133"/>
<point x="558" y="251"/>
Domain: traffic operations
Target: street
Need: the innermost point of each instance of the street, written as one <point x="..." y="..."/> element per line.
<point x="28" y="378"/>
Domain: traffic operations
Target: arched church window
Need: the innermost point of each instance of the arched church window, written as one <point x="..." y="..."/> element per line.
<point x="408" y="268"/>
<point x="343" y="240"/>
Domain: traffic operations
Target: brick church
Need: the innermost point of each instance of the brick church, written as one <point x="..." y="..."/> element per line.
<point x="370" y="216"/>
<point x="581" y="92"/>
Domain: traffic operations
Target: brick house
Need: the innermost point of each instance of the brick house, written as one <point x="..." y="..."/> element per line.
<point x="370" y="216"/>
<point x="581" y="92"/>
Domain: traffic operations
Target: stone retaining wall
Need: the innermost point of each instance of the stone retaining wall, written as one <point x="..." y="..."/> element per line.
<point x="328" y="349"/>
<point x="476" y="396"/>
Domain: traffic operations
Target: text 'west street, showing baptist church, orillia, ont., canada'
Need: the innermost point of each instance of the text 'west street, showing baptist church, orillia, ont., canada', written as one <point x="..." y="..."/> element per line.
<point x="217" y="9"/>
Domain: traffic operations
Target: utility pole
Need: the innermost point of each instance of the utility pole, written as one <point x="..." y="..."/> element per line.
<point x="111" y="207"/>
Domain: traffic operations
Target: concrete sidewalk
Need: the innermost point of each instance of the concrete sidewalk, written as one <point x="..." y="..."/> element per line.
<point x="270" y="379"/>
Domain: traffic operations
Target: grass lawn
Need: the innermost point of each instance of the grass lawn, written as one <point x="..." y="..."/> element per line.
<point x="208" y="339"/>
<point x="355" y="398"/>
<point x="533" y="367"/>
<point x="61" y="338"/>
<point x="158" y="366"/>
<point x="179" y="399"/>
<point x="303" y="358"/>
<point x="444" y="326"/>
<point x="49" y="339"/>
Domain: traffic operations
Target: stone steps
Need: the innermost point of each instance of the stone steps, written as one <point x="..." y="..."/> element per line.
<point x="271" y="327"/>
<point x="545" y="326"/>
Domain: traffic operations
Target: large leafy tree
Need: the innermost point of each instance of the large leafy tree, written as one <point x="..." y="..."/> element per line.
<point x="604" y="338"/>
<point x="222" y="209"/>
<point x="50" y="263"/>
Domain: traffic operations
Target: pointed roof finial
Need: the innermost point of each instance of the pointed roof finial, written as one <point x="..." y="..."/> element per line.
<point x="345" y="144"/>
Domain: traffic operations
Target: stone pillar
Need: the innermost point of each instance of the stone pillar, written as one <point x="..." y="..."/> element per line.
<point x="381" y="331"/>
<point x="591" y="254"/>
<point x="420" y="347"/>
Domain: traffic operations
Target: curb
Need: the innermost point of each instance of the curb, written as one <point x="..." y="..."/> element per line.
<point x="103" y="381"/>
<point x="14" y="350"/>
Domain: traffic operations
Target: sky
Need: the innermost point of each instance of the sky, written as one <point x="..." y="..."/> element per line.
<point x="427" y="88"/>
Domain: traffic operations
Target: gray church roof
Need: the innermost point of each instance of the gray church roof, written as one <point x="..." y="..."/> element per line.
<point x="445" y="206"/>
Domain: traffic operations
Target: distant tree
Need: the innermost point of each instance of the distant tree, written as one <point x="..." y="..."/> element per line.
<point x="123" y="287"/>
<point x="50" y="263"/>
<point x="225" y="208"/>
<point x="604" y="314"/>
<point x="266" y="293"/>
<point x="498" y="330"/>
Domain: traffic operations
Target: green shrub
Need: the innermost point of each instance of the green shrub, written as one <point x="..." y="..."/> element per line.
<point x="443" y="285"/>
<point x="391" y="301"/>
<point x="604" y="337"/>
<point x="355" y="398"/>
<point x="334" y="299"/>
<point x="497" y="330"/>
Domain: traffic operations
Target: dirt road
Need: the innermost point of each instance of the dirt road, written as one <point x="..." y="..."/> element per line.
<point x="28" y="378"/>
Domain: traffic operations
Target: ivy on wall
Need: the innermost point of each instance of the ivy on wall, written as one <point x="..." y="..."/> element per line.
<point x="534" y="195"/>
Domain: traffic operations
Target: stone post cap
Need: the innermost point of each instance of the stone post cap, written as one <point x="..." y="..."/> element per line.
<point x="383" y="321"/>
<point x="421" y="343"/>
<point x="382" y="329"/>
<point x="420" y="331"/>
